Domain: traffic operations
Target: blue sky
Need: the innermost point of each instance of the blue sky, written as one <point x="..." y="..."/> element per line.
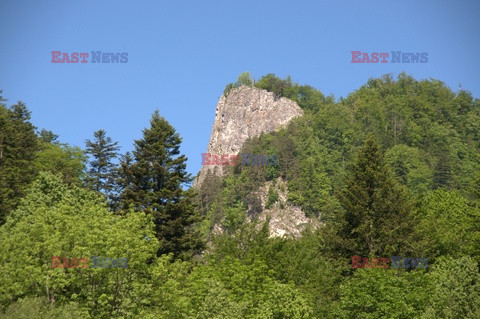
<point x="181" y="55"/>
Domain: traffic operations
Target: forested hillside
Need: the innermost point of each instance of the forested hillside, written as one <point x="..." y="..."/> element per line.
<point x="392" y="170"/>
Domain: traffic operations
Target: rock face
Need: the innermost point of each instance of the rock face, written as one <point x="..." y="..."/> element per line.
<point x="285" y="219"/>
<point x="246" y="112"/>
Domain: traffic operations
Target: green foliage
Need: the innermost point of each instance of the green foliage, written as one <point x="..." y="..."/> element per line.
<point x="456" y="292"/>
<point x="152" y="182"/>
<point x="61" y="158"/>
<point x="410" y="167"/>
<point x="307" y="97"/>
<point x="39" y="308"/>
<point x="431" y="139"/>
<point x="102" y="173"/>
<point x="67" y="221"/>
<point x="48" y="136"/>
<point x="234" y="217"/>
<point x="312" y="188"/>
<point x="430" y="136"/>
<point x="274" y="84"/>
<point x="384" y="293"/>
<point x="304" y="263"/>
<point x="243" y="79"/>
<point x="226" y="288"/>
<point x="448" y="225"/>
<point x="377" y="209"/>
<point x="272" y="197"/>
<point x="18" y="144"/>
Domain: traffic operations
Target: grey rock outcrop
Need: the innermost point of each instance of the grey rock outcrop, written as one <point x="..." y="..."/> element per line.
<point x="285" y="218"/>
<point x="246" y="112"/>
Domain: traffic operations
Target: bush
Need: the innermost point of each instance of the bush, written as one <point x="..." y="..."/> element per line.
<point x="39" y="308"/>
<point x="243" y="79"/>
<point x="272" y="197"/>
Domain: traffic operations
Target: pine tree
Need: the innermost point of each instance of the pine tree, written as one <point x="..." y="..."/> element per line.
<point x="152" y="180"/>
<point x="18" y="144"/>
<point x="376" y="218"/>
<point x="101" y="176"/>
<point x="48" y="136"/>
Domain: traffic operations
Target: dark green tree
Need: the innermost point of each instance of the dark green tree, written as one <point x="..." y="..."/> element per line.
<point x="102" y="173"/>
<point x="48" y="136"/>
<point x="376" y="219"/>
<point x="152" y="181"/>
<point x="18" y="144"/>
<point x="274" y="84"/>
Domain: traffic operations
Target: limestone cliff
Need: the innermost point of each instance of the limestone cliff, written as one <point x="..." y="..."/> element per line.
<point x="246" y="112"/>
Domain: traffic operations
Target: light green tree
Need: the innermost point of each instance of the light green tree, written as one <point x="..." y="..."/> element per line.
<point x="244" y="79"/>
<point x="456" y="292"/>
<point x="448" y="225"/>
<point x="67" y="221"/>
<point x="384" y="293"/>
<point x="61" y="158"/>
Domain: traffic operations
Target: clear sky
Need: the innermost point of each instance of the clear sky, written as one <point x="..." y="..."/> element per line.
<point x="181" y="54"/>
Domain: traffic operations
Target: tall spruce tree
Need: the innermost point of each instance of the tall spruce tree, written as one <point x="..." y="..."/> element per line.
<point x="102" y="173"/>
<point x="376" y="219"/>
<point x="18" y="144"/>
<point x="152" y="179"/>
<point x="48" y="136"/>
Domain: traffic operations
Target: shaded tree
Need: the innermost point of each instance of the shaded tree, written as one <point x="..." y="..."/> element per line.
<point x="152" y="180"/>
<point x="376" y="219"/>
<point x="48" y="136"/>
<point x="18" y="144"/>
<point x="102" y="172"/>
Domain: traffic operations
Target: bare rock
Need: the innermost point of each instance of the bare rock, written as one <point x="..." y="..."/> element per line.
<point x="246" y="112"/>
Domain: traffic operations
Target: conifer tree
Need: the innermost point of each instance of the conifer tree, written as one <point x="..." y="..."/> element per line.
<point x="48" y="136"/>
<point x="376" y="219"/>
<point x="18" y="144"/>
<point x="101" y="176"/>
<point x="152" y="180"/>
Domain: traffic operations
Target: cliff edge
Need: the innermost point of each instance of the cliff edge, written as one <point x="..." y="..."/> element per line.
<point x="244" y="113"/>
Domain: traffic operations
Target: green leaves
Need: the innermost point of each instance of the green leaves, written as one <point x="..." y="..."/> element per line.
<point x="61" y="158"/>
<point x="448" y="225"/>
<point x="456" y="292"/>
<point x="384" y="293"/>
<point x="56" y="220"/>
<point x="231" y="289"/>
<point x="243" y="79"/>
<point x="410" y="167"/>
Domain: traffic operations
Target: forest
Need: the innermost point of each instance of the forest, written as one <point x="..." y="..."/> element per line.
<point x="391" y="170"/>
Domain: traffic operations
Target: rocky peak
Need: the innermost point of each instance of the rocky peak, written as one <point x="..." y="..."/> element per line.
<point x="244" y="113"/>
